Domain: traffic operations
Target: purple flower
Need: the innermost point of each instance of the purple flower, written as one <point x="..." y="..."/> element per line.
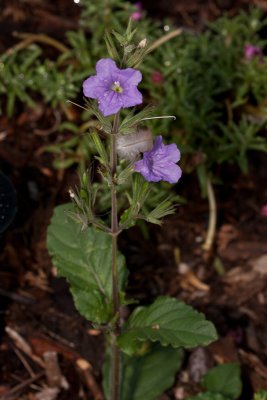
<point x="263" y="211"/>
<point x="251" y="51"/>
<point x="159" y="164"/>
<point x="157" y="77"/>
<point x="114" y="88"/>
<point x="137" y="15"/>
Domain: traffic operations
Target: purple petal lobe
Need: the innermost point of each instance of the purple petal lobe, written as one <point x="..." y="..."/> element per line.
<point x="109" y="104"/>
<point x="106" y="66"/>
<point x="130" y="76"/>
<point x="131" y="97"/>
<point x="92" y="87"/>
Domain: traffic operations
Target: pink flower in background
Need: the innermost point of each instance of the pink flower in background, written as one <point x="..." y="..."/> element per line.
<point x="263" y="211"/>
<point x="251" y="51"/>
<point x="137" y="15"/>
<point x="157" y="77"/>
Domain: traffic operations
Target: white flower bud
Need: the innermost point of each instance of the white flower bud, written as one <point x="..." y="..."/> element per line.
<point x="71" y="193"/>
<point x="142" y="44"/>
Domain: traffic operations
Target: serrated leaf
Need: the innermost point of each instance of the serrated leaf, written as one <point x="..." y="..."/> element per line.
<point x="143" y="378"/>
<point x="84" y="259"/>
<point x="224" y="379"/>
<point x="208" y="396"/>
<point x="169" y="321"/>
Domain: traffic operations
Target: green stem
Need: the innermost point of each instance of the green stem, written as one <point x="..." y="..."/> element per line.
<point x="115" y="351"/>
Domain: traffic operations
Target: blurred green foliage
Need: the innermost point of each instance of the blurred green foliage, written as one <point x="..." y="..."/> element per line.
<point x="217" y="95"/>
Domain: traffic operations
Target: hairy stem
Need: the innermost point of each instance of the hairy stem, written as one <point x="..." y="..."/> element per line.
<point x="115" y="351"/>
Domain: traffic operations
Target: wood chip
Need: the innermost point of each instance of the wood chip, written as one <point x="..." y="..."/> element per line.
<point x="21" y="343"/>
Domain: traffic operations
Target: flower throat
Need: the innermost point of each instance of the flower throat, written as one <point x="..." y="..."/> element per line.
<point x="116" y="87"/>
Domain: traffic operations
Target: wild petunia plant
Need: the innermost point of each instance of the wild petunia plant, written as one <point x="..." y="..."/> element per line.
<point x="143" y="353"/>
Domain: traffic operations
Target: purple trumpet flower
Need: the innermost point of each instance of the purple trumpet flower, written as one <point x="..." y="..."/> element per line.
<point x="159" y="164"/>
<point x="114" y="88"/>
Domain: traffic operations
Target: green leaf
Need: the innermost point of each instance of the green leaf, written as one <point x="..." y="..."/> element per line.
<point x="261" y="395"/>
<point x="84" y="259"/>
<point x="130" y="122"/>
<point x="224" y="379"/>
<point x="145" y="378"/>
<point x="111" y="46"/>
<point x="99" y="147"/>
<point x="169" y="321"/>
<point x="140" y="191"/>
<point x="160" y="211"/>
<point x="208" y="396"/>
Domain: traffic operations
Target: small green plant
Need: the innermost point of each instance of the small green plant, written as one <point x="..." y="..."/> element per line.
<point x="221" y="383"/>
<point x="262" y="395"/>
<point x="84" y="247"/>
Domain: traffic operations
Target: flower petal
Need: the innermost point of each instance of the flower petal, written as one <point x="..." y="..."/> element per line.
<point x="131" y="97"/>
<point x="130" y="76"/>
<point x="110" y="103"/>
<point x="157" y="144"/>
<point x="171" y="174"/>
<point x="106" y="67"/>
<point x="93" y="87"/>
<point x="142" y="167"/>
<point x="172" y="152"/>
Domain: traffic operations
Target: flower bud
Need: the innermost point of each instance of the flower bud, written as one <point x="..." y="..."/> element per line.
<point x="142" y="44"/>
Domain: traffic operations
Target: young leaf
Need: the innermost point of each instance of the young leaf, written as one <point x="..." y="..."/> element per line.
<point x="160" y="211"/>
<point x="168" y="321"/>
<point x="146" y="377"/>
<point x="111" y="46"/>
<point x="140" y="190"/>
<point x="224" y="379"/>
<point x="84" y="259"/>
<point x="100" y="148"/>
<point x="131" y="121"/>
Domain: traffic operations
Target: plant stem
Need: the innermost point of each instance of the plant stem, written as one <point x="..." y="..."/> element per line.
<point x="29" y="38"/>
<point x="115" y="351"/>
<point x="212" y="218"/>
<point x="164" y="39"/>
